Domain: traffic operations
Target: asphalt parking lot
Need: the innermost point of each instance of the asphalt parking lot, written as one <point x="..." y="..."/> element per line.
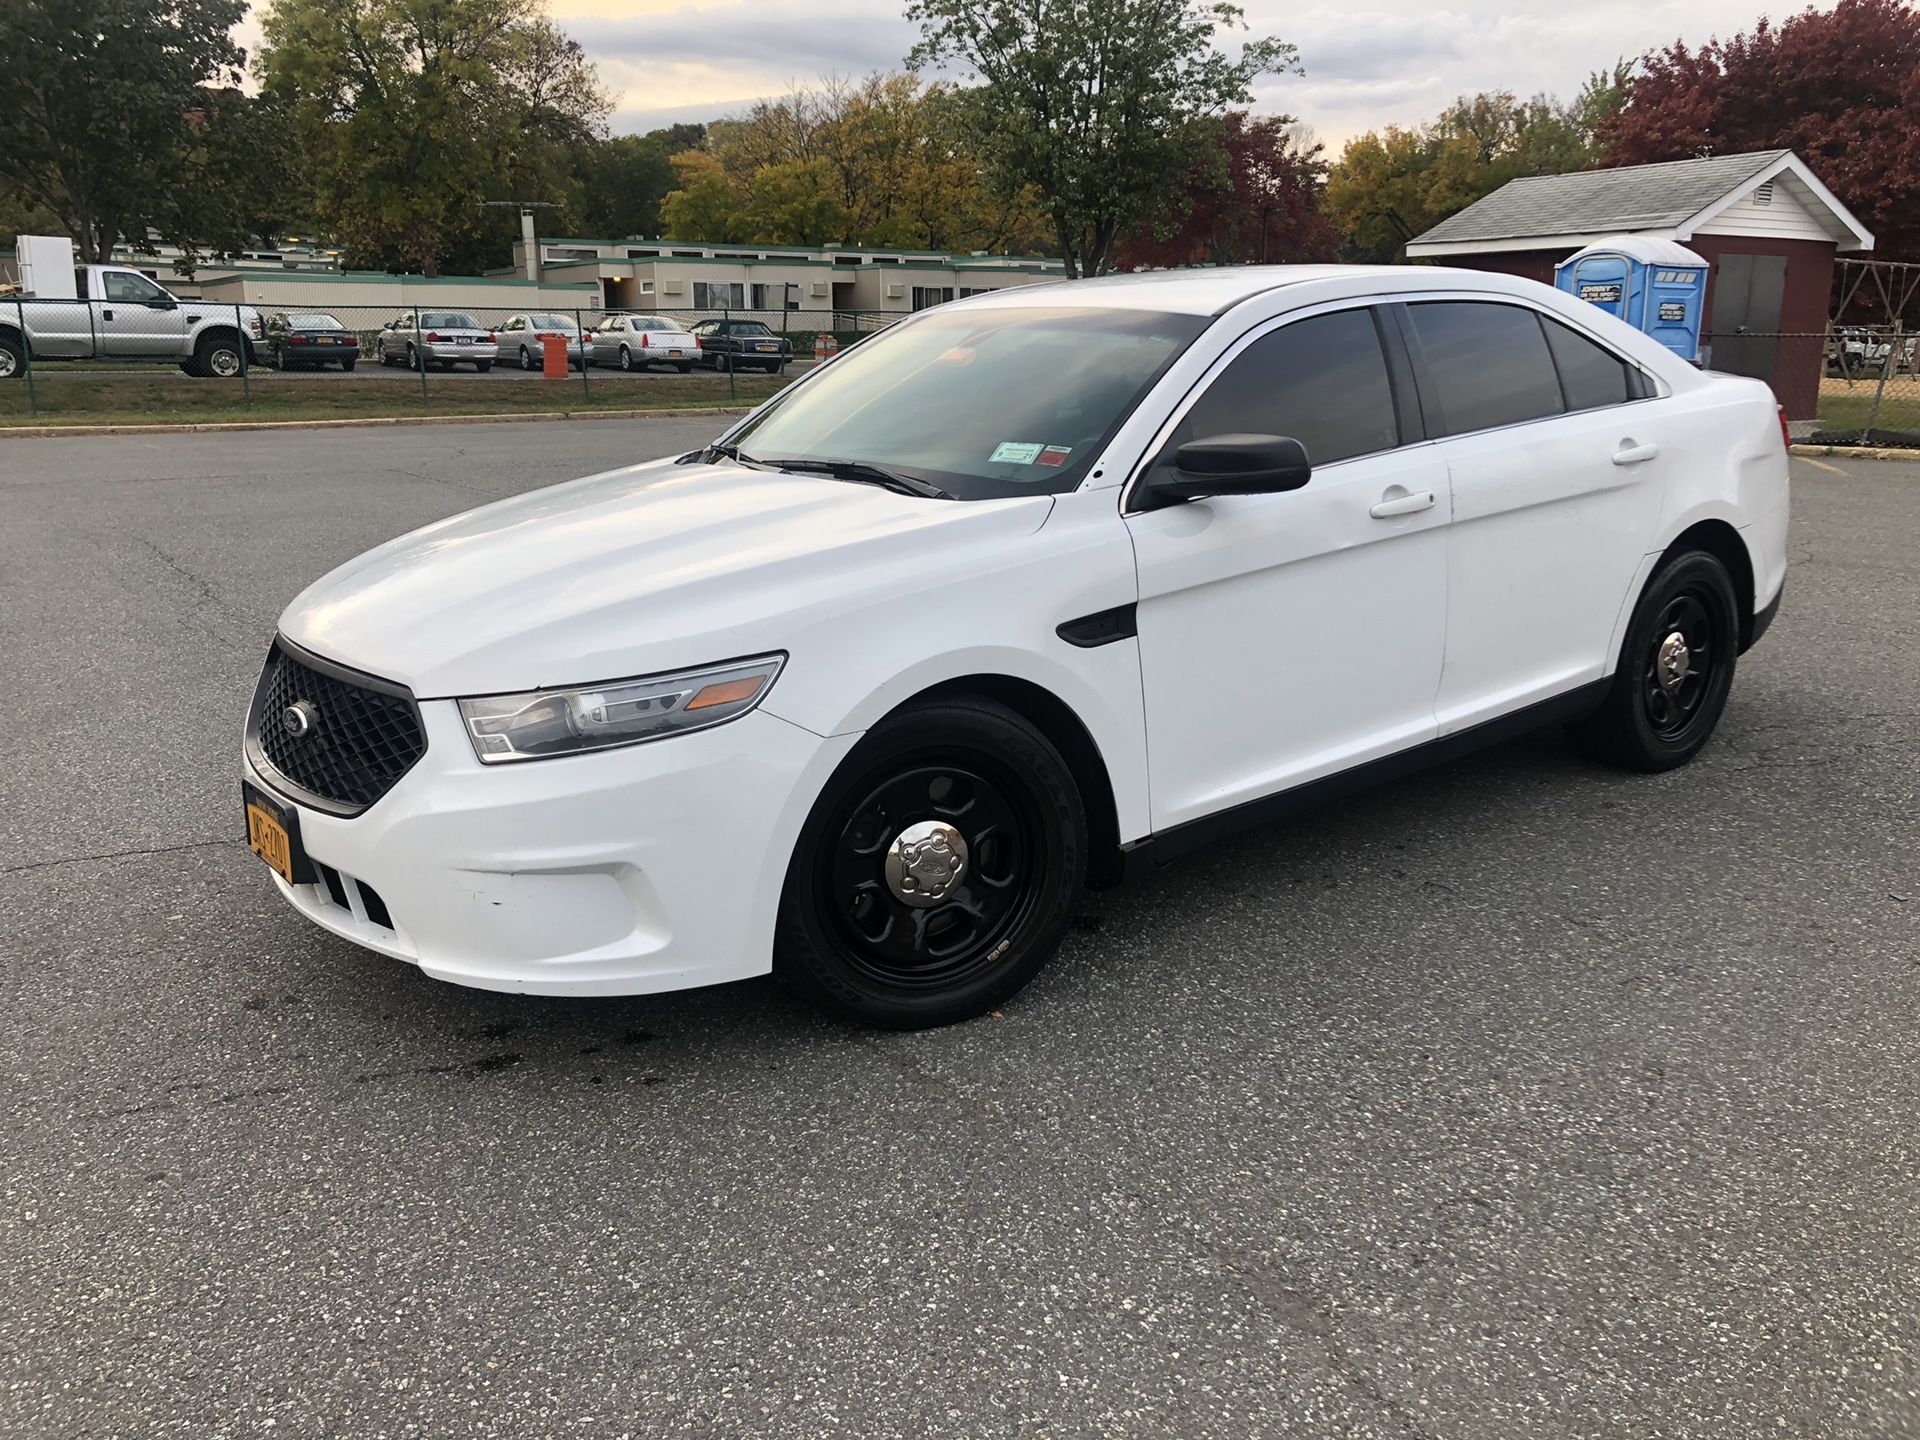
<point x="1522" y="1098"/>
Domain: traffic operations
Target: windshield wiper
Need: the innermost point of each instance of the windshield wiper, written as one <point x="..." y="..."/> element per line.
<point x="864" y="473"/>
<point x="732" y="452"/>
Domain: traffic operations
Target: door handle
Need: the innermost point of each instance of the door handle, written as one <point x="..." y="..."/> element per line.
<point x="1635" y="454"/>
<point x="1402" y="505"/>
<point x="106" y="314"/>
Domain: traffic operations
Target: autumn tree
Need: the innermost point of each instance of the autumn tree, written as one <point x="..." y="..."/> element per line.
<point x="623" y="180"/>
<point x="95" y="129"/>
<point x="1092" y="103"/>
<point x="1252" y="194"/>
<point x="413" y="112"/>
<point x="1839" y="87"/>
<point x="1390" y="185"/>
<point x="880" y="161"/>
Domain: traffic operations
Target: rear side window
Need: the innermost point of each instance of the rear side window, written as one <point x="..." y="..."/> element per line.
<point x="1488" y="364"/>
<point x="1322" y="381"/>
<point x="1590" y="377"/>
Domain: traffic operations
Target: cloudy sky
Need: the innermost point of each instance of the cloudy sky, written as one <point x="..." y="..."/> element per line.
<point x="1370" y="64"/>
<point x="1375" y="62"/>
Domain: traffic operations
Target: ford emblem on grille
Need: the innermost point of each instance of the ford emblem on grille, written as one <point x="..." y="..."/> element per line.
<point x="297" y="719"/>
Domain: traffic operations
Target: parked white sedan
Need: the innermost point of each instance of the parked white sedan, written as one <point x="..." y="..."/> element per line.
<point x="633" y="342"/>
<point x="1026" y="592"/>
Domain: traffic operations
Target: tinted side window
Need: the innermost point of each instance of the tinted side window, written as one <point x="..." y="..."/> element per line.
<point x="1590" y="377"/>
<point x="1488" y="364"/>
<point x="1322" y="380"/>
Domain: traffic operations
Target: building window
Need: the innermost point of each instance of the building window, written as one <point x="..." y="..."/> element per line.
<point x="708" y="295"/>
<point x="776" y="297"/>
<point x="966" y="290"/>
<point x="925" y="297"/>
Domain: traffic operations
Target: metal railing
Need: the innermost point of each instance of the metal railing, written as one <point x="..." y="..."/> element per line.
<point x="87" y="361"/>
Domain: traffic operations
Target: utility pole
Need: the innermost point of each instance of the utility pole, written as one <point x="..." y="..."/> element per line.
<point x="529" y="241"/>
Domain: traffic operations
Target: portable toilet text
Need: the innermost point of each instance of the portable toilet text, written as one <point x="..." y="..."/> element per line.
<point x="1657" y="286"/>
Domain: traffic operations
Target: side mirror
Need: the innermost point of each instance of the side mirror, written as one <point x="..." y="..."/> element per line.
<point x="1231" y="465"/>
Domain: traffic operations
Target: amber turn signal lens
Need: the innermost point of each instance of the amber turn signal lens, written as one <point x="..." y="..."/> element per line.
<point x="727" y="692"/>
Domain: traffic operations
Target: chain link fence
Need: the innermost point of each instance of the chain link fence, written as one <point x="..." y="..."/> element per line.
<point x="1854" y="385"/>
<point x="201" y="361"/>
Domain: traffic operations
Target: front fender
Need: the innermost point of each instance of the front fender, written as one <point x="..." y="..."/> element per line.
<point x="996" y="617"/>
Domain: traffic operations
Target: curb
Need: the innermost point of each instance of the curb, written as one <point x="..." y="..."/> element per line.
<point x="1856" y="452"/>
<point x="50" y="432"/>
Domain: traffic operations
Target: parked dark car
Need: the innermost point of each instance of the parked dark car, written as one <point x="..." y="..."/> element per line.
<point x="741" y="345"/>
<point x="310" y="341"/>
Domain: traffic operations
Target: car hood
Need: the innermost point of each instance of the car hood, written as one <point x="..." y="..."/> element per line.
<point x="651" y="568"/>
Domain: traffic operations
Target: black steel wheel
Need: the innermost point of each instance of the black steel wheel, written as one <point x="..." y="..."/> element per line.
<point x="938" y="869"/>
<point x="1676" y="668"/>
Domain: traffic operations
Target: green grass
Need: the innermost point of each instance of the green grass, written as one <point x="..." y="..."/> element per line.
<point x="1846" y="409"/>
<point x="75" y="397"/>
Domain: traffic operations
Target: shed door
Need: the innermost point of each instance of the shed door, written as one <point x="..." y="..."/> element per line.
<point x="1747" y="291"/>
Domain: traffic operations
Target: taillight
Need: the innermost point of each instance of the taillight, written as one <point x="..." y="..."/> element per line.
<point x="432" y="338"/>
<point x="646" y="340"/>
<point x="1786" y="433"/>
<point x="298" y="340"/>
<point x="490" y="338"/>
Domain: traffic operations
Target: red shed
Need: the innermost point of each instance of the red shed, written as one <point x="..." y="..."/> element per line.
<point x="1765" y="224"/>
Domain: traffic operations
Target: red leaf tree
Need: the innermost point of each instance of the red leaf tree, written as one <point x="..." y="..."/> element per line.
<point x="1251" y="194"/>
<point x="1841" y="87"/>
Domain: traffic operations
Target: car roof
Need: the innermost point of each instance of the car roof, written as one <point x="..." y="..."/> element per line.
<point x="1215" y="290"/>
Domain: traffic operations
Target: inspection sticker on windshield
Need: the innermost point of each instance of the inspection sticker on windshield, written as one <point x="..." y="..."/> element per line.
<point x="1012" y="452"/>
<point x="1055" y="455"/>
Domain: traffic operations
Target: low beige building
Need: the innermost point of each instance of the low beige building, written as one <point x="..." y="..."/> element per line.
<point x="672" y="275"/>
<point x="595" y="276"/>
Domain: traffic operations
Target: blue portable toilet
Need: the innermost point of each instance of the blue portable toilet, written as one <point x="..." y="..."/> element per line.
<point x="1656" y="286"/>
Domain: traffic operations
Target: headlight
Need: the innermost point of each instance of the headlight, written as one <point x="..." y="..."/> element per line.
<point x="540" y="723"/>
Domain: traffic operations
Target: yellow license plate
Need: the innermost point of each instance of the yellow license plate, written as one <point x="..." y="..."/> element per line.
<point x="268" y="839"/>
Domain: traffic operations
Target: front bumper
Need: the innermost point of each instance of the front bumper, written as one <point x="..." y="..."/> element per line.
<point x="461" y="354"/>
<point x="654" y="867"/>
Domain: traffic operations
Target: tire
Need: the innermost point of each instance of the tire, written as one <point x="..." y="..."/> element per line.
<point x="480" y="367"/>
<point x="413" y="358"/>
<point x="346" y="366"/>
<point x="626" y="359"/>
<point x="13" y="358"/>
<point x="1664" y="702"/>
<point x="847" y="938"/>
<point x="218" y="357"/>
<point x="685" y="367"/>
<point x="773" y="368"/>
<point x="526" y="358"/>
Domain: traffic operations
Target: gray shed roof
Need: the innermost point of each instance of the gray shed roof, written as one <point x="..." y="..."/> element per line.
<point x="1631" y="197"/>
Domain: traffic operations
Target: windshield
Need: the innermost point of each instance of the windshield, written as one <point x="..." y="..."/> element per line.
<point x="981" y="402"/>
<point x="550" y="322"/>
<point x="314" y="322"/>
<point x="747" y="327"/>
<point x="448" y="320"/>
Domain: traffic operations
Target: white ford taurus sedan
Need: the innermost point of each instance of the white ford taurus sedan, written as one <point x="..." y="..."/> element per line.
<point x="1024" y="593"/>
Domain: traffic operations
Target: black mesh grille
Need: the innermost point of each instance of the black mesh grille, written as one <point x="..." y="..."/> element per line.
<point x="360" y="740"/>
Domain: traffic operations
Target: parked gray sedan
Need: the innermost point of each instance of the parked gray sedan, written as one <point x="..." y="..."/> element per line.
<point x="441" y="338"/>
<point x="520" y="339"/>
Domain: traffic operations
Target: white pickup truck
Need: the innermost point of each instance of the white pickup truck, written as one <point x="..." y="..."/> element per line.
<point x="119" y="314"/>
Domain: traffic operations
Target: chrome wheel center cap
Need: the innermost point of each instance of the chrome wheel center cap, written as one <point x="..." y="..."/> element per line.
<point x="925" y="863"/>
<point x="1675" y="660"/>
